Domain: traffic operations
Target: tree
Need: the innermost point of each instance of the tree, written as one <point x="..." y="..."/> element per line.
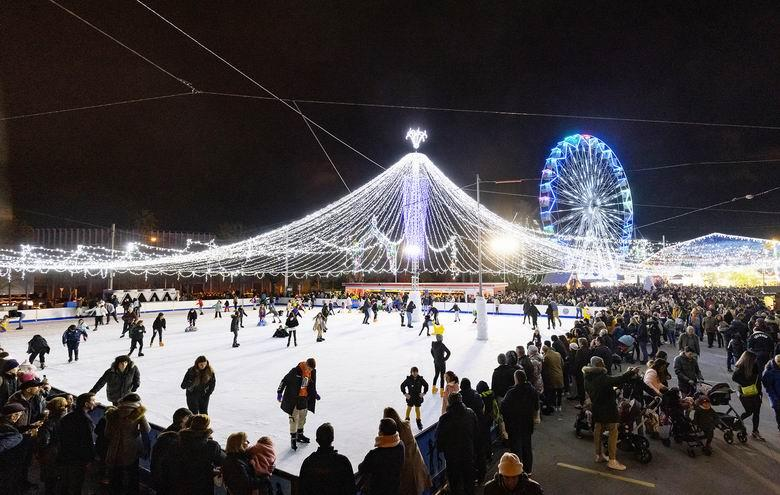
<point x="145" y="221"/>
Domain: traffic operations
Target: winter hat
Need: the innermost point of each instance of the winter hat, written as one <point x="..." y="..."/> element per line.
<point x="30" y="383"/>
<point x="200" y="422"/>
<point x="27" y="376"/>
<point x="482" y="386"/>
<point x="574" y="347"/>
<point x="10" y="409"/>
<point x="596" y="361"/>
<point x="510" y="465"/>
<point x="10" y="364"/>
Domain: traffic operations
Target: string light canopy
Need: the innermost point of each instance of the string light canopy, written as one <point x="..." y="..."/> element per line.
<point x="410" y="219"/>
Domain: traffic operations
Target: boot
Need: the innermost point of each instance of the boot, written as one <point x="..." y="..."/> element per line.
<point x="302" y="438"/>
<point x="434" y="390"/>
<point x="162" y="344"/>
<point x="419" y="424"/>
<point x="293" y="445"/>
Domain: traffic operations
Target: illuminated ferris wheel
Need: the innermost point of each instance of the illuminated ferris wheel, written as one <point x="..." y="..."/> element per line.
<point x="585" y="202"/>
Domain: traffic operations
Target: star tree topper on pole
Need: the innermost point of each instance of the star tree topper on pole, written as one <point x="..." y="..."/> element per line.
<point x="417" y="137"/>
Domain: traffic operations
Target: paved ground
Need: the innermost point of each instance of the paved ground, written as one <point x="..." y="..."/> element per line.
<point x="564" y="464"/>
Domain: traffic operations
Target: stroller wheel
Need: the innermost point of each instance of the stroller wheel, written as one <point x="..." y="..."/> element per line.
<point x="644" y="456"/>
<point x="643" y="442"/>
<point x="691" y="452"/>
<point x="728" y="437"/>
<point x="666" y="442"/>
<point x="742" y="436"/>
<point x="578" y="433"/>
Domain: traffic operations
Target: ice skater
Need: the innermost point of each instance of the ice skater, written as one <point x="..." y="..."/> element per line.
<point x="261" y="315"/>
<point x="413" y="388"/>
<point x="434" y="315"/>
<point x="227" y="306"/>
<point x="366" y="309"/>
<point x="137" y="338"/>
<point x="192" y="318"/>
<point x="37" y="346"/>
<point x="426" y="325"/>
<point x="297" y="394"/>
<point x="218" y="309"/>
<point x="157" y="328"/>
<point x="410" y="306"/>
<point x="72" y="338"/>
<point x="111" y="311"/>
<point x="440" y="355"/>
<point x="319" y="326"/>
<point x="199" y="383"/>
<point x="199" y="304"/>
<point x="456" y="309"/>
<point x="241" y="313"/>
<point x="402" y="312"/>
<point x="292" y="327"/>
<point x="234" y="326"/>
<point x="128" y="318"/>
<point x="274" y="313"/>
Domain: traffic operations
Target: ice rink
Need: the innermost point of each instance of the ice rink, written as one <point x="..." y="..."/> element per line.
<point x="359" y="370"/>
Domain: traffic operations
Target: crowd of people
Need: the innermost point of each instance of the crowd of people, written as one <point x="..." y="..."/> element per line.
<point x="655" y="329"/>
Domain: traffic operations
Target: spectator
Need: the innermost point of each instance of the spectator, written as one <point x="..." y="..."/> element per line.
<point x="519" y="409"/>
<point x="452" y="386"/>
<point x="240" y="478"/>
<point x="581" y="359"/>
<point x="552" y="375"/>
<point x="325" y="471"/>
<point x="689" y="339"/>
<point x="122" y="379"/>
<point x="414" y="473"/>
<point x="29" y="396"/>
<point x="457" y="438"/>
<point x="127" y="433"/>
<point x="653" y="374"/>
<point x="492" y="415"/>
<point x="77" y="447"/>
<point x="48" y="440"/>
<point x="380" y="471"/>
<point x="9" y="382"/>
<point x="511" y="479"/>
<point x="197" y="458"/>
<point x="15" y="450"/>
<point x="771" y="381"/>
<point x="601" y="389"/>
<point x="747" y="375"/>
<point x="473" y="401"/>
<point x="687" y="370"/>
<point x="165" y="453"/>
<point x="502" y="377"/>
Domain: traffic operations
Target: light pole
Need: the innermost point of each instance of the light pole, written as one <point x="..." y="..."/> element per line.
<point x="482" y="328"/>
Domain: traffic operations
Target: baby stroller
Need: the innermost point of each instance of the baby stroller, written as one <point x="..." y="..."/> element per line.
<point x="584" y="420"/>
<point x="729" y="421"/>
<point x="631" y="431"/>
<point x="676" y="423"/>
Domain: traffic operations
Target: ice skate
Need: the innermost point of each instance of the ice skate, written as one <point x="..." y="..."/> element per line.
<point x="303" y="438"/>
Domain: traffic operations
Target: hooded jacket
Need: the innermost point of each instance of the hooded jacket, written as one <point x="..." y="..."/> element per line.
<point x="126" y="432"/>
<point x="198" y="456"/>
<point x="771" y="381"/>
<point x="119" y="383"/>
<point x="601" y="389"/>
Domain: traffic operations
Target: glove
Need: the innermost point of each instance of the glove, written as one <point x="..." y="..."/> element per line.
<point x="279" y="397"/>
<point x="407" y="396"/>
<point x="318" y="396"/>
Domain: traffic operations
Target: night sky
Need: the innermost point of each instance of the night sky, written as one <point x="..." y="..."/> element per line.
<point x="198" y="161"/>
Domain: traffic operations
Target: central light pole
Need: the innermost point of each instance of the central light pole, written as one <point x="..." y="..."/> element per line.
<point x="482" y="328"/>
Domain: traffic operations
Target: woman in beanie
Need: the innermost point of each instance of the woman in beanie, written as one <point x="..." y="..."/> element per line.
<point x="380" y="471"/>
<point x="511" y="479"/>
<point x="199" y="382"/>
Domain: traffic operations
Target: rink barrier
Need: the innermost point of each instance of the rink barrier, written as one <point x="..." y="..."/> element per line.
<point x="53" y="314"/>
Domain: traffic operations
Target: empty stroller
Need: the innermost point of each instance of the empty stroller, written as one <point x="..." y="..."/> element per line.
<point x="729" y="422"/>
<point x="676" y="423"/>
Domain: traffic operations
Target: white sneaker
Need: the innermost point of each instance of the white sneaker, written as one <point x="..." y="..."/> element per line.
<point x="614" y="464"/>
<point x="602" y="458"/>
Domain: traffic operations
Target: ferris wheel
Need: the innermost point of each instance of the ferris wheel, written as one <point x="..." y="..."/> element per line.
<point x="585" y="201"/>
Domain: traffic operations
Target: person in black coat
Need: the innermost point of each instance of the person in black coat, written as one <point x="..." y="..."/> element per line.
<point x="503" y="377"/>
<point x="122" y="378"/>
<point x="199" y="382"/>
<point x="519" y="408"/>
<point x="440" y="355"/>
<point x="297" y="393"/>
<point x="383" y="464"/>
<point x="137" y="332"/>
<point x="72" y="338"/>
<point x="162" y="467"/>
<point x="291" y="325"/>
<point x="15" y="451"/>
<point x="457" y="437"/>
<point x="192" y="317"/>
<point x="326" y="472"/>
<point x="77" y="446"/>
<point x="602" y="351"/>
<point x="413" y="388"/>
<point x="37" y="346"/>
<point x="473" y="401"/>
<point x="9" y="382"/>
<point x="157" y="329"/>
<point x="196" y="458"/>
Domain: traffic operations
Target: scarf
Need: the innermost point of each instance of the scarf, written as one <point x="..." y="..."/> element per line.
<point x="387" y="441"/>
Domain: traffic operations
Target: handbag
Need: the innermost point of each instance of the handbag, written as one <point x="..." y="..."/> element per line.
<point x="749" y="391"/>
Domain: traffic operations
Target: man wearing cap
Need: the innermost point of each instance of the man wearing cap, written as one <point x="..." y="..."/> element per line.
<point x="457" y="437"/>
<point x="29" y="396"/>
<point x="15" y="451"/>
<point x="687" y="370"/>
<point x="511" y="479"/>
<point x="326" y="472"/>
<point x="9" y="383"/>
<point x="601" y="389"/>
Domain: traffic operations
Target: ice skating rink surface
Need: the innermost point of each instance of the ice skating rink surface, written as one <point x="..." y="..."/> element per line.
<point x="359" y="370"/>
